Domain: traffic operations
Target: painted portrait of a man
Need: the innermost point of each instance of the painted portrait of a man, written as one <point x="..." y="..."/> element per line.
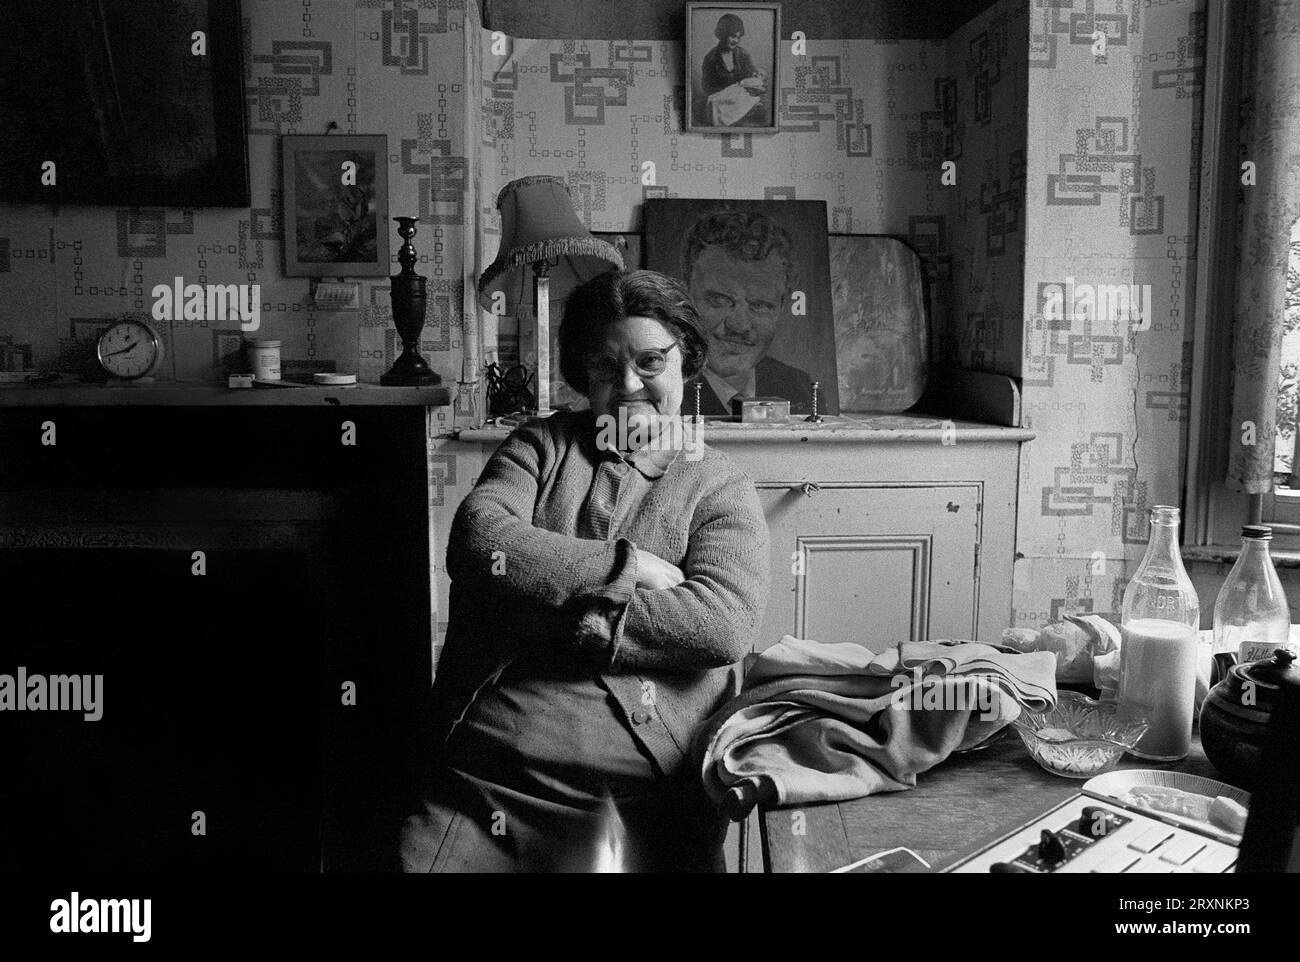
<point x="763" y="300"/>
<point x="737" y="269"/>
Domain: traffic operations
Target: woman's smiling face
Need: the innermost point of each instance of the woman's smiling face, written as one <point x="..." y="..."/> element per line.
<point x="641" y="397"/>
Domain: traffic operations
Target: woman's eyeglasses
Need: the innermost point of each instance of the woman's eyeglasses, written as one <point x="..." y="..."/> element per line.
<point x="647" y="363"/>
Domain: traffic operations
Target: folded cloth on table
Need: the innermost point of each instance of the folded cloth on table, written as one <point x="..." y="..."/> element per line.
<point x="827" y="722"/>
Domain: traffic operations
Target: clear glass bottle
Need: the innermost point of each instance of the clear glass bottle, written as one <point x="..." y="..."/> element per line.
<point x="1251" y="615"/>
<point x="1158" y="652"/>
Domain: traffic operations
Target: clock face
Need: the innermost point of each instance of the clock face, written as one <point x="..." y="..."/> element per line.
<point x="129" y="349"/>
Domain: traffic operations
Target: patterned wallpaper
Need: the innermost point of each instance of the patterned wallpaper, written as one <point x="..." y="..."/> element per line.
<point x="666" y="19"/>
<point x="988" y="87"/>
<point x="862" y="128"/>
<point x="1111" y="200"/>
<point x="395" y="67"/>
<point x="1107" y="158"/>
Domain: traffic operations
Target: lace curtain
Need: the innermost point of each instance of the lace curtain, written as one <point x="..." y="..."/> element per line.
<point x="1288" y="399"/>
<point x="1270" y="210"/>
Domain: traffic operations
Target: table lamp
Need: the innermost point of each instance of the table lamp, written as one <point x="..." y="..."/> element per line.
<point x="545" y="253"/>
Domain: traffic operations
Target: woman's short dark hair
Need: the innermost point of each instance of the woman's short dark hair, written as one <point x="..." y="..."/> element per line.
<point x="615" y="295"/>
<point x="729" y="25"/>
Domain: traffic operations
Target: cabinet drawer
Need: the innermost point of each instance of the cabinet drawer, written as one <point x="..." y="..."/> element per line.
<point x="873" y="564"/>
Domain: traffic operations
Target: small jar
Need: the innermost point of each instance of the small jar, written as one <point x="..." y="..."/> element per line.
<point x="264" y="358"/>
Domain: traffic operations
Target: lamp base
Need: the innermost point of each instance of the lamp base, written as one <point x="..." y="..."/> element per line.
<point x="410" y="370"/>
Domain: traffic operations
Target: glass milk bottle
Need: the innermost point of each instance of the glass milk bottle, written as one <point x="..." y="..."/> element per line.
<point x="1161" y="616"/>
<point x="1251" y="616"/>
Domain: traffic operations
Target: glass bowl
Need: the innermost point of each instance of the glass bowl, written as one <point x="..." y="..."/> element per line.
<point x="1080" y="737"/>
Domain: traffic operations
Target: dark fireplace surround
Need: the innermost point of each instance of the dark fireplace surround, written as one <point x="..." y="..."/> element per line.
<point x="223" y="693"/>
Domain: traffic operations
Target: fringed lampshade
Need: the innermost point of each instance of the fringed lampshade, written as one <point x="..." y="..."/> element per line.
<point x="545" y="253"/>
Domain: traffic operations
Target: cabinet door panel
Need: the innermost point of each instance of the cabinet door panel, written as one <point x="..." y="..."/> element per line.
<point x="872" y="564"/>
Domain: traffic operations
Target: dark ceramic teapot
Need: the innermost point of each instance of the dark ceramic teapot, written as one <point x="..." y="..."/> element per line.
<point x="1236" y="712"/>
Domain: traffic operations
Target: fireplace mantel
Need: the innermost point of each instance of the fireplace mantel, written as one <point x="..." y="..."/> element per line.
<point x="170" y="394"/>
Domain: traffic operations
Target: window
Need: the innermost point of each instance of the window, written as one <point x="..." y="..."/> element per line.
<point x="1234" y="214"/>
<point x="1210" y="509"/>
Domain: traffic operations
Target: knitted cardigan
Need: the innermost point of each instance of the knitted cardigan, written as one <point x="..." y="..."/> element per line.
<point x="521" y="579"/>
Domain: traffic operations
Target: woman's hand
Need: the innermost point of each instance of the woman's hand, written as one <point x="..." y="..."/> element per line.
<point x="654" y="572"/>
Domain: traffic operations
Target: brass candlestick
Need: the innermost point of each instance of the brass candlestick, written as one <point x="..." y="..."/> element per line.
<point x="409" y="299"/>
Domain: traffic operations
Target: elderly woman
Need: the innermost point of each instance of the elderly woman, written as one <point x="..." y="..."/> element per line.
<point x="607" y="576"/>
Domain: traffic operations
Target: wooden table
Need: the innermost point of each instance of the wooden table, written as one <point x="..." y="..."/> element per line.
<point x="970" y="798"/>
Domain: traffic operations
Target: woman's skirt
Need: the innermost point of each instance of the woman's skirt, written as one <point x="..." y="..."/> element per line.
<point x="469" y="824"/>
<point x="542" y="775"/>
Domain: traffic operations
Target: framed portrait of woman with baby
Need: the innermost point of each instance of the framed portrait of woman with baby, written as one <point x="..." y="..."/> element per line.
<point x="732" y="56"/>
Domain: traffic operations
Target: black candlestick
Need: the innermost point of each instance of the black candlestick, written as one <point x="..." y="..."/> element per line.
<point x="408" y="294"/>
<point x="814" y="418"/>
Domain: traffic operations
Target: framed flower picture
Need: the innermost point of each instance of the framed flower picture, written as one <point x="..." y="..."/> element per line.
<point x="335" y="205"/>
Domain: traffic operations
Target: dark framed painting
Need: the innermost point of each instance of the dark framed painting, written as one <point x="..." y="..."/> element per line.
<point x="733" y="55"/>
<point x="758" y="273"/>
<point x="335" y="205"/>
<point x="135" y="103"/>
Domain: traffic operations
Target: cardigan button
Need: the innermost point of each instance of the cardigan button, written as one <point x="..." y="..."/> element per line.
<point x="640" y="717"/>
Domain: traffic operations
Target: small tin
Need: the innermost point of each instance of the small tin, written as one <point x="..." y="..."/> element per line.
<point x="760" y="409"/>
<point x="263" y="358"/>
